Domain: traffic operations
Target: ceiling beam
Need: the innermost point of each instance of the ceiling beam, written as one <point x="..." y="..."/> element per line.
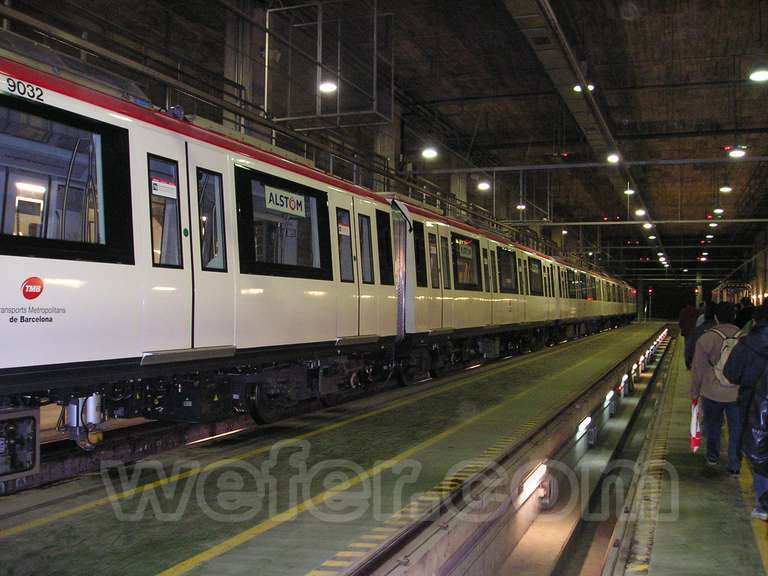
<point x="631" y="222"/>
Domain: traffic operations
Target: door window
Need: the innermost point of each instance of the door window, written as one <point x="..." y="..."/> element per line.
<point x="434" y="266"/>
<point x="420" y="253"/>
<point x="164" y="210"/>
<point x="444" y="255"/>
<point x="344" y="234"/>
<point x="384" y="239"/>
<point x="213" y="254"/>
<point x="366" y="248"/>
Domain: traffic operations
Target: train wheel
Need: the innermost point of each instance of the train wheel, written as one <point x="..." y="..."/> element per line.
<point x="260" y="407"/>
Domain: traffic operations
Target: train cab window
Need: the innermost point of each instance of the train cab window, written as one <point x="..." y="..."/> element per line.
<point x="434" y="265"/>
<point x="283" y="227"/>
<point x="494" y="275"/>
<point x="366" y="248"/>
<point x="535" y="280"/>
<point x="344" y="235"/>
<point x="384" y="242"/>
<point x="64" y="185"/>
<point x="466" y="263"/>
<point x="507" y="271"/>
<point x="444" y="256"/>
<point x="213" y="254"/>
<point x="420" y="253"/>
<point x="164" y="210"/>
<point x="486" y="271"/>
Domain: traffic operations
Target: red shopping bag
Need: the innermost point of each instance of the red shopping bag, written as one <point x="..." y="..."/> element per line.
<point x="695" y="426"/>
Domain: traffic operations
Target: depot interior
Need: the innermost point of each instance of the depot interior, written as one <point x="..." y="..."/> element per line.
<point x="627" y="135"/>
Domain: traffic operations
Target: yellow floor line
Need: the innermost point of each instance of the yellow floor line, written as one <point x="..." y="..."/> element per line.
<point x="759" y="528"/>
<point x="50" y="518"/>
<point x="337" y="563"/>
<point x="247" y="535"/>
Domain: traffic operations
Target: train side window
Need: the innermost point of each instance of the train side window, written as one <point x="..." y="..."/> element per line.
<point x="283" y="228"/>
<point x="65" y="187"/>
<point x="494" y="275"/>
<point x="434" y="265"/>
<point x="466" y="263"/>
<point x="384" y="240"/>
<point x="584" y="286"/>
<point x="344" y="235"/>
<point x="507" y="271"/>
<point x="535" y="280"/>
<point x="366" y="249"/>
<point x="572" y="288"/>
<point x="486" y="271"/>
<point x="444" y="255"/>
<point x="210" y="195"/>
<point x="165" y="213"/>
<point x="420" y="253"/>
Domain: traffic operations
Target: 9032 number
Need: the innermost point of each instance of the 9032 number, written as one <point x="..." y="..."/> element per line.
<point x="20" y="88"/>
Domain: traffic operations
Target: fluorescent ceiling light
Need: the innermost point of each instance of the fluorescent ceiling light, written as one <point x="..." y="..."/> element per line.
<point x="737" y="153"/>
<point x="713" y="224"/>
<point x="483" y="185"/>
<point x="718" y="210"/>
<point x="726" y="189"/>
<point x="640" y="212"/>
<point x="429" y="152"/>
<point x="629" y="191"/>
<point x="647" y="225"/>
<point x="520" y="206"/>
<point x="328" y="87"/>
<point x="613" y="158"/>
<point x="30" y="187"/>
<point x="651" y="237"/>
<point x="760" y="74"/>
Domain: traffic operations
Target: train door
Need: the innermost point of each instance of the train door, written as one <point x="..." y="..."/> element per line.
<point x="160" y="173"/>
<point x="342" y="216"/>
<point x="369" y="285"/>
<point x="213" y="280"/>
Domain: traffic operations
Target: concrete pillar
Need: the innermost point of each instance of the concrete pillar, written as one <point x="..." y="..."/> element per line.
<point x="387" y="144"/>
<point x="239" y="64"/>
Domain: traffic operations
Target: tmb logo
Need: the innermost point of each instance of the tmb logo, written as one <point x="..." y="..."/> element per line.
<point x="32" y="287"/>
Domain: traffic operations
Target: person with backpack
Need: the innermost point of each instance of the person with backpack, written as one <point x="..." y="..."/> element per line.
<point x="747" y="366"/>
<point x="716" y="393"/>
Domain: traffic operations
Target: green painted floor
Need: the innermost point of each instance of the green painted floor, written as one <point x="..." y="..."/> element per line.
<point x="703" y="526"/>
<point x="314" y="493"/>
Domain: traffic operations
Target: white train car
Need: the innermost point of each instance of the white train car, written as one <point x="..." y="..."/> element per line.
<point x="151" y="267"/>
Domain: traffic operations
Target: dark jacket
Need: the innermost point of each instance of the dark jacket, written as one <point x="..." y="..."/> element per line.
<point x="748" y="360"/>
<point x="744" y="315"/>
<point x="697" y="332"/>
<point x="755" y="441"/>
<point x="687" y="320"/>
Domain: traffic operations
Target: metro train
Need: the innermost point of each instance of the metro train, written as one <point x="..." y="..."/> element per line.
<point x="151" y="267"/>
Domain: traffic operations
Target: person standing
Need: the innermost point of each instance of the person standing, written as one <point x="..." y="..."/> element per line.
<point x="747" y="366"/>
<point x="717" y="395"/>
<point x="687" y="323"/>
<point x="744" y="314"/>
